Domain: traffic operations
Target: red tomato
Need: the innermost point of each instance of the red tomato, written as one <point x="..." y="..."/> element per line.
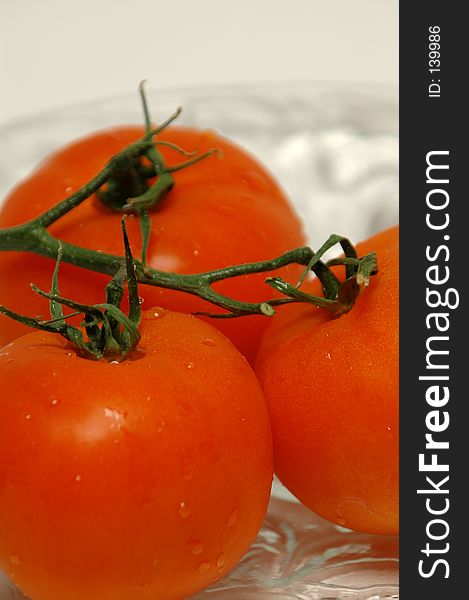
<point x="143" y="479"/>
<point x="332" y="389"/>
<point x="223" y="211"/>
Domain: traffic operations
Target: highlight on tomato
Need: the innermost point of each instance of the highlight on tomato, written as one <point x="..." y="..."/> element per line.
<point x="147" y="478"/>
<point x="225" y="210"/>
<point x="331" y="384"/>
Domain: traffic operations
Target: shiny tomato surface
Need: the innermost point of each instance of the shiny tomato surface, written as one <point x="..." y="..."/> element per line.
<point x="332" y="389"/>
<point x="223" y="211"/>
<point x="146" y="479"/>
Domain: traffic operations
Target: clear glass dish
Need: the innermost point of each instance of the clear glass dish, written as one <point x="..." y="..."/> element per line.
<point x="335" y="151"/>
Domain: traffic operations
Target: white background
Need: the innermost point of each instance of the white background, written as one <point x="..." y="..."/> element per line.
<point x="59" y="52"/>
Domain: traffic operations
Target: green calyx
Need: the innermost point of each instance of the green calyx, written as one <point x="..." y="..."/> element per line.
<point x="129" y="188"/>
<point x="106" y="331"/>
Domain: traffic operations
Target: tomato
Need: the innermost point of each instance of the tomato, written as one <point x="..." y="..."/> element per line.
<point x="331" y="385"/>
<point x="223" y="211"/>
<point x="144" y="479"/>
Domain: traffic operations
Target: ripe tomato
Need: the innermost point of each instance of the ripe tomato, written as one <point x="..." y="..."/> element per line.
<point x="145" y="479"/>
<point x="331" y="385"/>
<point x="223" y="211"/>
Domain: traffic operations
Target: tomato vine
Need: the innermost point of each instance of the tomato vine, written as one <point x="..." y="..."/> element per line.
<point x="128" y="172"/>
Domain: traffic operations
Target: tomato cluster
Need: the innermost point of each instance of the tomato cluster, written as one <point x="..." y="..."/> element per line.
<point x="149" y="477"/>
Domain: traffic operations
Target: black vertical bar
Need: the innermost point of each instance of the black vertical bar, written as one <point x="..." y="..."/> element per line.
<point x="433" y="392"/>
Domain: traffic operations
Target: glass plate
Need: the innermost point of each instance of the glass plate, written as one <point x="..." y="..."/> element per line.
<point x="335" y="151"/>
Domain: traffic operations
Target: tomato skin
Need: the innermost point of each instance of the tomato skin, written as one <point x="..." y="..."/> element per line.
<point x="223" y="211"/>
<point x="145" y="479"/>
<point x="331" y="385"/>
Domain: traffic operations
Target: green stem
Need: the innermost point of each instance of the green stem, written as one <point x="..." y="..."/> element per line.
<point x="165" y="180"/>
<point x="31" y="238"/>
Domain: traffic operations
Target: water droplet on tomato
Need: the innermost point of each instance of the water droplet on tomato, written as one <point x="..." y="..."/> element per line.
<point x="196" y="252"/>
<point x="209" y="342"/>
<point x="77" y="478"/>
<point x="28" y="417"/>
<point x="204" y="567"/>
<point x="231" y="520"/>
<point x="161" y="427"/>
<point x="220" y="560"/>
<point x="155" y="313"/>
<point x="189" y="365"/>
<point x="184" y="510"/>
<point x="54" y="401"/>
<point x="141" y="300"/>
<point x="117" y="417"/>
<point x="328" y="356"/>
<point x="197" y="548"/>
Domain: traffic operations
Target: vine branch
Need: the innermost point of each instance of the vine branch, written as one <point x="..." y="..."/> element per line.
<point x="125" y="172"/>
